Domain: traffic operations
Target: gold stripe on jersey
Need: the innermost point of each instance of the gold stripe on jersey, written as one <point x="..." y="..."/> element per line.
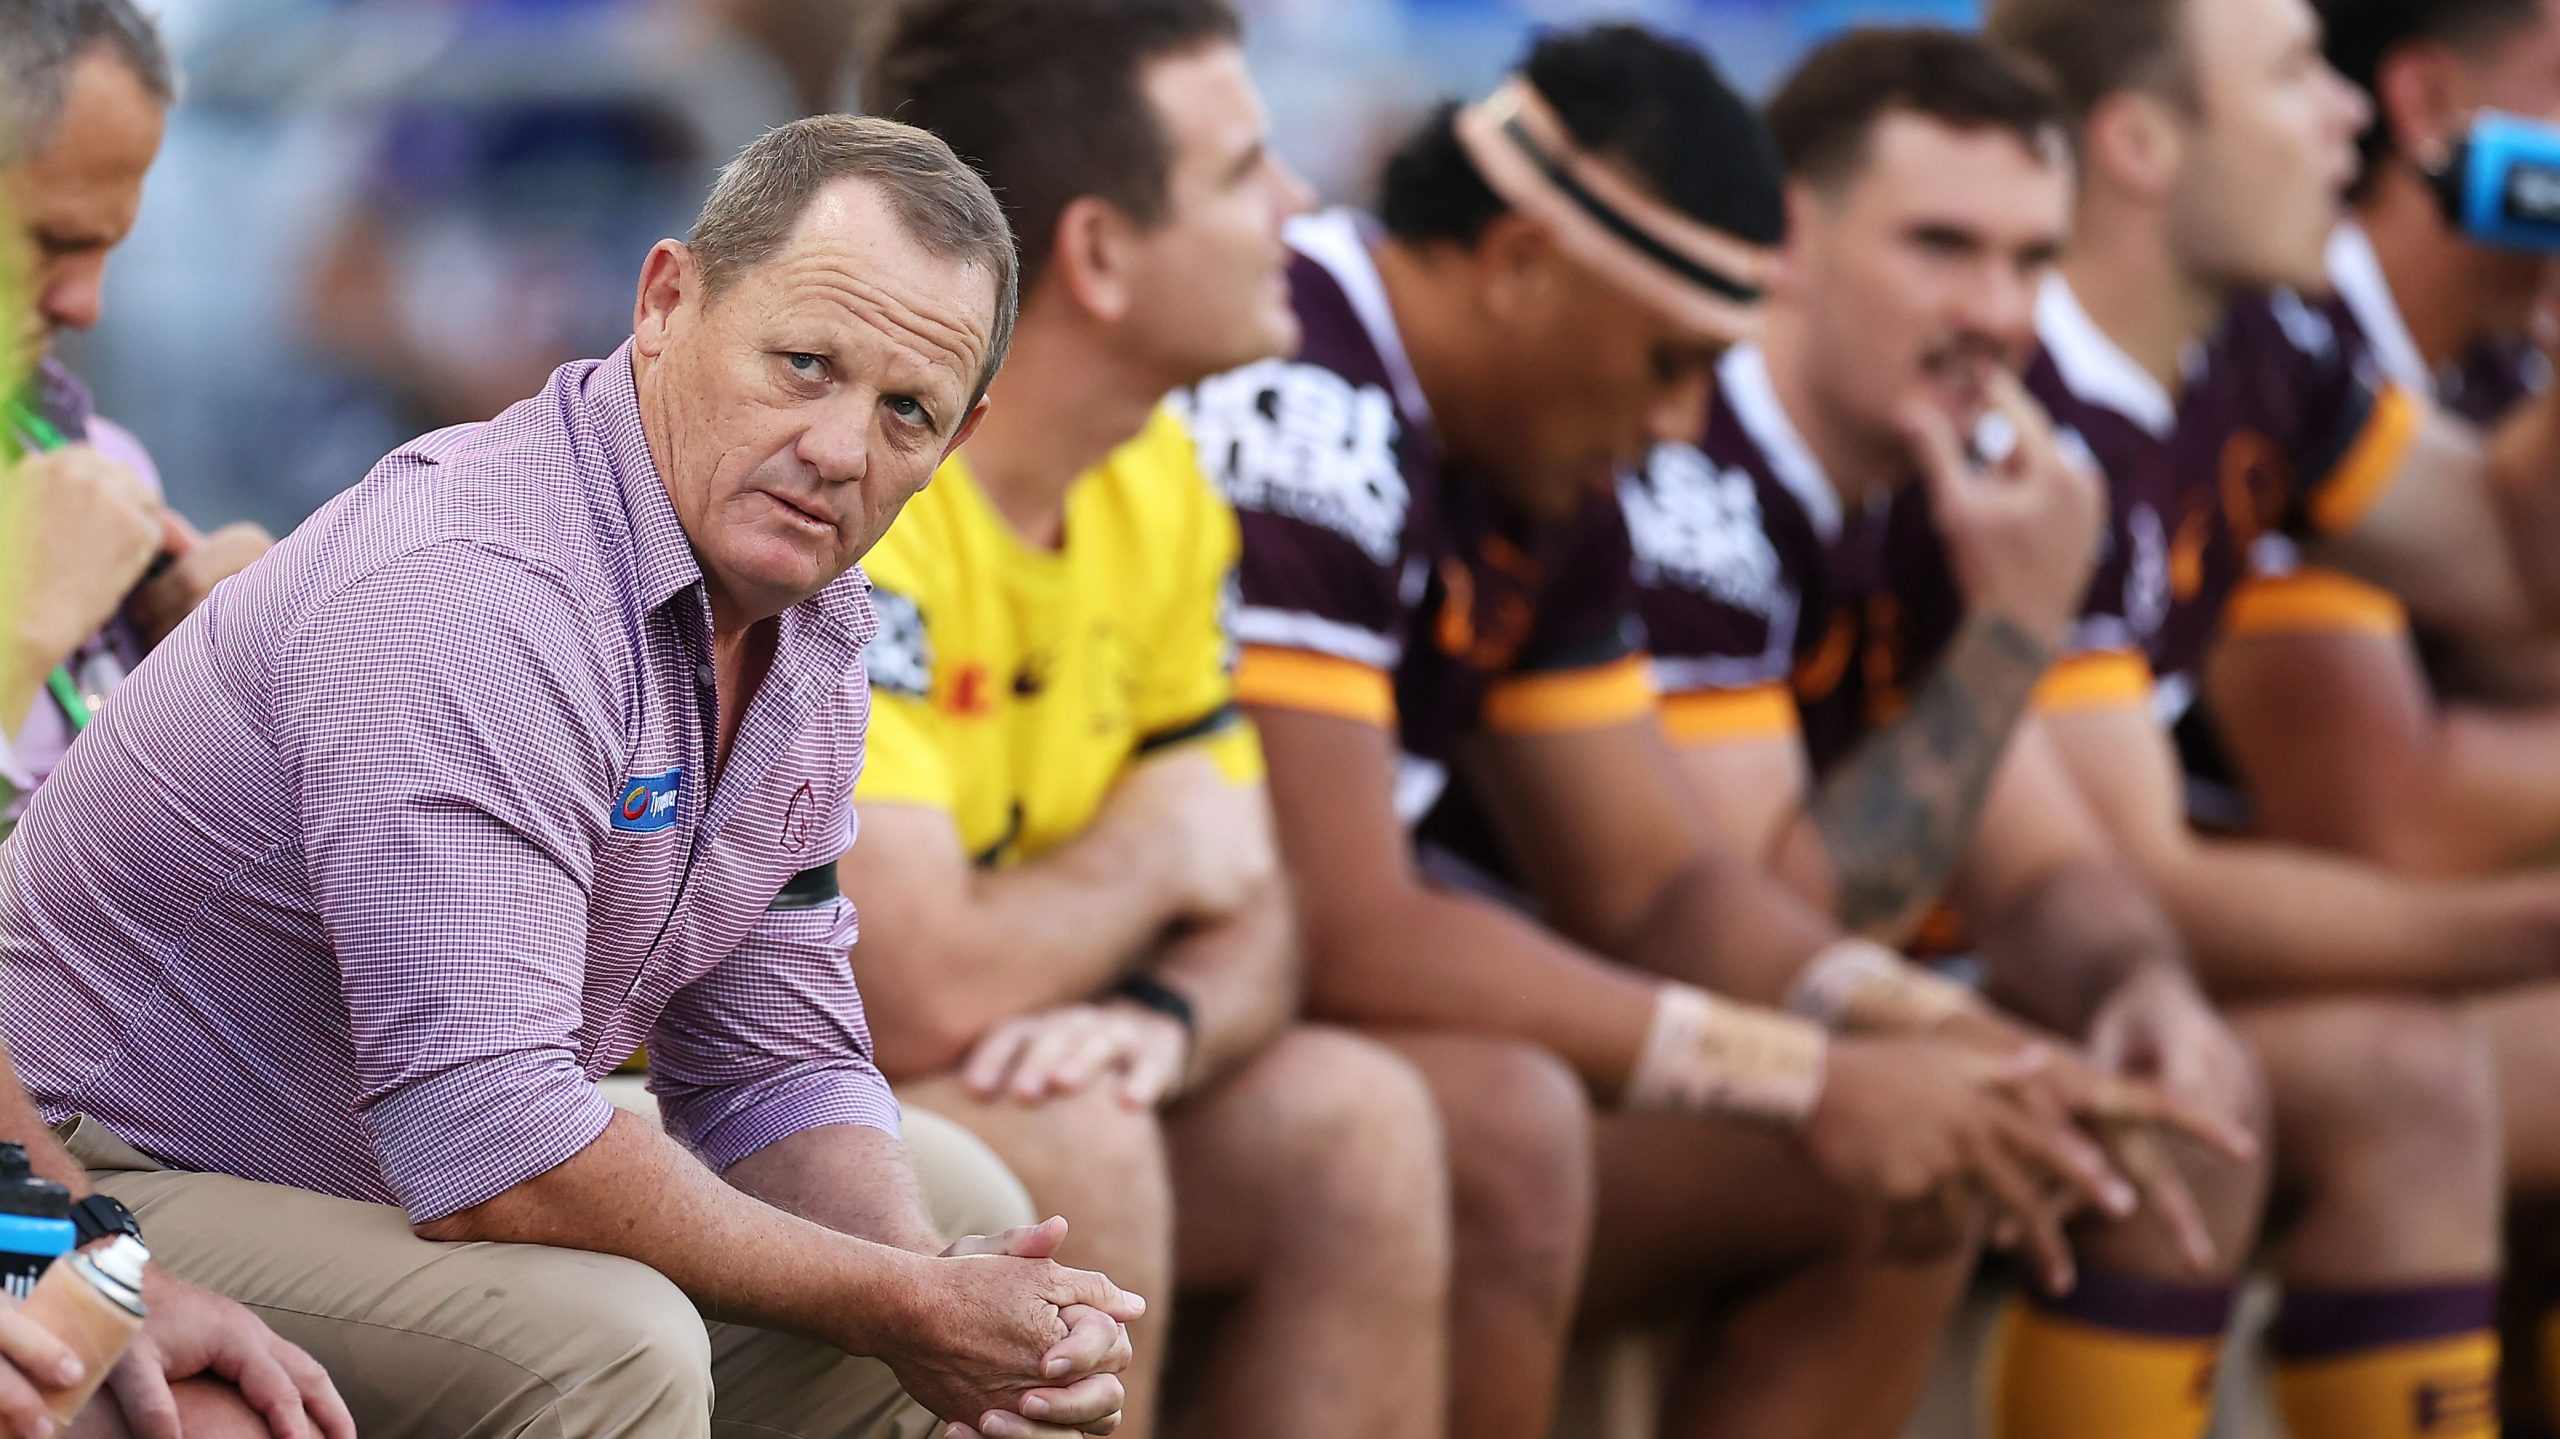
<point x="1315" y="683"/>
<point x="2099" y="680"/>
<point x="1564" y="701"/>
<point x="1701" y="717"/>
<point x="2371" y="464"/>
<point x="2314" y="602"/>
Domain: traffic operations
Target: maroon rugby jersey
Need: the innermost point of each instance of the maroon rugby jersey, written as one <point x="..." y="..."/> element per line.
<point x="1375" y="584"/>
<point x="2280" y="430"/>
<point x="2486" y="383"/>
<point x="1770" y="610"/>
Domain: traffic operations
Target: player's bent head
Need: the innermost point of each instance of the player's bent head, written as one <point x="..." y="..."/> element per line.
<point x="2428" y="66"/>
<point x="1929" y="189"/>
<point x="818" y="346"/>
<point x="1130" y="148"/>
<point x="1615" y="203"/>
<point x="85" y="90"/>
<point x="2220" y="116"/>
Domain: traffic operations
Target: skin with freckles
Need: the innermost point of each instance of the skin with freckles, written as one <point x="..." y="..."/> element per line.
<point x="794" y="412"/>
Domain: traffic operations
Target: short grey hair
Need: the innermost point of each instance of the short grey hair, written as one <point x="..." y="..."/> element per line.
<point x="40" y="42"/>
<point x="944" y="204"/>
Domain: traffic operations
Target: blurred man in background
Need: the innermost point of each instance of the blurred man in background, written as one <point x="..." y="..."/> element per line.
<point x="2218" y="147"/>
<point x="1931" y="191"/>
<point x="107" y="568"/>
<point x="1436" y="587"/>
<point x="1075" y="938"/>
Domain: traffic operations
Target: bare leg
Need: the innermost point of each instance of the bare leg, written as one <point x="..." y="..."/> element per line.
<point x="2385" y="1119"/>
<point x="2519" y="1026"/>
<point x="1518" y="1130"/>
<point x="1311" y="1184"/>
<point x="1089" y="1158"/>
<point x="1821" y="1337"/>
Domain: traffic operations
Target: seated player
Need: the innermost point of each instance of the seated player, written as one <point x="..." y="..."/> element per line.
<point x="2320" y="700"/>
<point x="1854" y="712"/>
<point x="1436" y="584"/>
<point x="1075" y="942"/>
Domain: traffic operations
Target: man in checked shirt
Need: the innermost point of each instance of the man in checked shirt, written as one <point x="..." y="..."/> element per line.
<point x="503" y="763"/>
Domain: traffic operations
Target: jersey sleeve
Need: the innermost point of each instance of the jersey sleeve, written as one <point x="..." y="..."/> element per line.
<point x="1582" y="667"/>
<point x="1309" y="461"/>
<point x="906" y="750"/>
<point x="1718" y="607"/>
<point x="2343" y="426"/>
<point x="1186" y="688"/>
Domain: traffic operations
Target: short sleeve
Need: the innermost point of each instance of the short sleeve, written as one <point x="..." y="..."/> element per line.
<point x="2344" y="427"/>
<point x="1582" y="666"/>
<point x="1309" y="461"/>
<point x="1187" y="678"/>
<point x="1719" y="607"/>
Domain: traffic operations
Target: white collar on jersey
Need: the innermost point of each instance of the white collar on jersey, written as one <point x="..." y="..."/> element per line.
<point x="2095" y="367"/>
<point x="1338" y="240"/>
<point x="1742" y="381"/>
<point x="2356" y="271"/>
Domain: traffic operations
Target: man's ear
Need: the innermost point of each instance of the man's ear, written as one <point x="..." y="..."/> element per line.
<point x="1517" y="268"/>
<point x="669" y="279"/>
<point x="2136" y="142"/>
<point x="968" y="427"/>
<point x="2423" y="102"/>
<point x="1094" y="258"/>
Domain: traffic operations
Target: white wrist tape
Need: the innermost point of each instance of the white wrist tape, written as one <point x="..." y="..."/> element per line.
<point x="1705" y="1056"/>
<point x="1861" y="985"/>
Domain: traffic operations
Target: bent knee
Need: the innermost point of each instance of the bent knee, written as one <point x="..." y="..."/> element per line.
<point x="2406" y="1077"/>
<point x="1349" y="1126"/>
<point x="593" y="1342"/>
<point x="1518" y="1125"/>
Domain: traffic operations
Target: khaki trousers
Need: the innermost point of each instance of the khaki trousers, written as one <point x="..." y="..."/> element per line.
<point x="444" y="1341"/>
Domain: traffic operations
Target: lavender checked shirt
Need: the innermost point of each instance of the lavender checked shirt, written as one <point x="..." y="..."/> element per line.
<point x="407" y="835"/>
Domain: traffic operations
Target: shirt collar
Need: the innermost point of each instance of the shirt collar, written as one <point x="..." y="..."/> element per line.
<point x="1339" y="240"/>
<point x="664" y="562"/>
<point x="2095" y="367"/>
<point x="2355" y="270"/>
<point x="1742" y="381"/>
<point x="63" y="397"/>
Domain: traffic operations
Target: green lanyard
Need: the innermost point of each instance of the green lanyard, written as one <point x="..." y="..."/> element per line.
<point x="35" y="432"/>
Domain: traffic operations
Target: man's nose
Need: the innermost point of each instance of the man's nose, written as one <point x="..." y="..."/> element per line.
<point x="838" y="445"/>
<point x="74" y="295"/>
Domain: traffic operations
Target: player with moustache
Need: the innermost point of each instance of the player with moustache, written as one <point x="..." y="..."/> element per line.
<point x="2218" y="145"/>
<point x="1859" y="713"/>
<point x="1436" y="587"/>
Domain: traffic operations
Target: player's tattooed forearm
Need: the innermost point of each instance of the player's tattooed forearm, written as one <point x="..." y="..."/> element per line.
<point x="1897" y="814"/>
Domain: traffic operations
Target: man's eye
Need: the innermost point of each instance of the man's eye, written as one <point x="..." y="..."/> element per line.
<point x="808" y="365"/>
<point x="909" y="410"/>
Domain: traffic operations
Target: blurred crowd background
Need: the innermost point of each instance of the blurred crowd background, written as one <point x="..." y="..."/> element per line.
<point x="375" y="217"/>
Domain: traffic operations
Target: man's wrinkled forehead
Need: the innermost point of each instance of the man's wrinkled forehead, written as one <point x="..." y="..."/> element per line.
<point x="852" y="261"/>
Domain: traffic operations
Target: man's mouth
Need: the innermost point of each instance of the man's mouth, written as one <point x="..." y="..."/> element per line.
<point x="802" y="514"/>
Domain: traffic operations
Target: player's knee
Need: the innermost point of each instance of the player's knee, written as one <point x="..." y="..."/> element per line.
<point x="1520" y="1169"/>
<point x="2407" y="1083"/>
<point x="1355" y="1126"/>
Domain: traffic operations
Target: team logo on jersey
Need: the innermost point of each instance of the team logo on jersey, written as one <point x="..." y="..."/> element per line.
<point x="900" y="657"/>
<point x="1697" y="525"/>
<point x="1304" y="443"/>
<point x="649" y="802"/>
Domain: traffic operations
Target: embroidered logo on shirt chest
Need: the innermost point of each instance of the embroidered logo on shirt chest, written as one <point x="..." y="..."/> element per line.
<point x="649" y="802"/>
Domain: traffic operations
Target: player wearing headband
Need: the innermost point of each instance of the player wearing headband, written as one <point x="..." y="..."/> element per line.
<point x="1856" y="691"/>
<point x="1436" y="582"/>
